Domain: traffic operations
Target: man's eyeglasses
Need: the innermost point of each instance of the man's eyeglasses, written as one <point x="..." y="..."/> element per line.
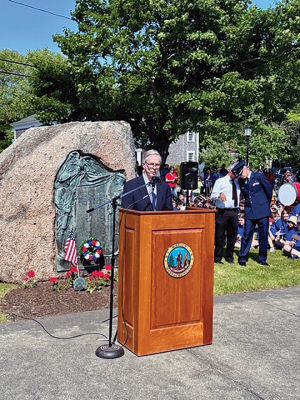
<point x="153" y="165"/>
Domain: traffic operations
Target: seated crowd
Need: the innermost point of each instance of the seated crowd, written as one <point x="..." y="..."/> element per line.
<point x="284" y="227"/>
<point x="284" y="231"/>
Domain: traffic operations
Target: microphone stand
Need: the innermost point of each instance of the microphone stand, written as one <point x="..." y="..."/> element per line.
<point x="112" y="350"/>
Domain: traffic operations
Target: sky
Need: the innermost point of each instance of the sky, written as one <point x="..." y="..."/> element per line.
<point x="23" y="29"/>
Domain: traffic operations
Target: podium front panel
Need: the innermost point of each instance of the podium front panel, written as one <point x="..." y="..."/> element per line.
<point x="163" y="305"/>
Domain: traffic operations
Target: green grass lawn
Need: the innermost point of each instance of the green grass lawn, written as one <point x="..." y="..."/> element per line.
<point x="232" y="278"/>
<point x="5" y="288"/>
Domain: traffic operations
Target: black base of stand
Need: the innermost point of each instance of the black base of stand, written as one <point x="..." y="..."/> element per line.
<point x="109" y="352"/>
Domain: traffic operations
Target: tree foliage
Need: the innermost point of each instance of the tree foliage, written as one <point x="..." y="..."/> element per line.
<point x="53" y="85"/>
<point x="168" y="66"/>
<point x="39" y="83"/>
<point x="14" y="93"/>
<point x="218" y="153"/>
<point x="292" y="127"/>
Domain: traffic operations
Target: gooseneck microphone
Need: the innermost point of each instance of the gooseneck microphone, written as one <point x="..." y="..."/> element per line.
<point x="154" y="181"/>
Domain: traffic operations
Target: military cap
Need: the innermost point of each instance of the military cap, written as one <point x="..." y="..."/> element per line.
<point x="238" y="168"/>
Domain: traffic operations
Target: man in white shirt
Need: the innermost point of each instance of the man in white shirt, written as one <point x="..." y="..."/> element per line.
<point x="226" y="196"/>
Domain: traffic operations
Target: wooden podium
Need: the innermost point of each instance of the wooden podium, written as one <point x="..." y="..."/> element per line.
<point x="165" y="299"/>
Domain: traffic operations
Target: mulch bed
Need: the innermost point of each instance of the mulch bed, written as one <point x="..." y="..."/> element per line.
<point x="42" y="301"/>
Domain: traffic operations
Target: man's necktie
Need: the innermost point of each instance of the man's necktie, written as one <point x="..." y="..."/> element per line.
<point x="153" y="200"/>
<point x="234" y="193"/>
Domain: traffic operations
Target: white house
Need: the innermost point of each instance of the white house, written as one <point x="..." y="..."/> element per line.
<point x="185" y="148"/>
<point x="24" y="124"/>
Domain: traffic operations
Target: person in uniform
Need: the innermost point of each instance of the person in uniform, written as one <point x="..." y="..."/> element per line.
<point x="257" y="191"/>
<point x="226" y="195"/>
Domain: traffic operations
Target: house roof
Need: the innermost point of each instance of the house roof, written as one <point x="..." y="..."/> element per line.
<point x="28" y="121"/>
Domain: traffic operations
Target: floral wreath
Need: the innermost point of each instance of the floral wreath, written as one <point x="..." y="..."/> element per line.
<point x="91" y="251"/>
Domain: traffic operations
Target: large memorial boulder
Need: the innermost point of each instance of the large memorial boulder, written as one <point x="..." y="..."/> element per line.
<point x="28" y="169"/>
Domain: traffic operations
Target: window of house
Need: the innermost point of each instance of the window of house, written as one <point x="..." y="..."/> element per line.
<point x="191" y="137"/>
<point x="190" y="156"/>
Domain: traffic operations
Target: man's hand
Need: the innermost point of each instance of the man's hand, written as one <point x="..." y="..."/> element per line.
<point x="223" y="197"/>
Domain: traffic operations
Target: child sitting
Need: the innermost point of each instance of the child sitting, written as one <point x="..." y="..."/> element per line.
<point x="292" y="248"/>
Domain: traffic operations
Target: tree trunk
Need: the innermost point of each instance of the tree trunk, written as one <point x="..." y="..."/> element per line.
<point x="162" y="146"/>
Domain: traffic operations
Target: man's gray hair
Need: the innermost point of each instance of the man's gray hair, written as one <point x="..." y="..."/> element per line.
<point x="151" y="152"/>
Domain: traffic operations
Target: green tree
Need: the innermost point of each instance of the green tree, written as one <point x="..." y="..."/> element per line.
<point x="39" y="83"/>
<point x="292" y="128"/>
<point x="166" y="67"/>
<point x="169" y="66"/>
<point x="15" y="92"/>
<point x="53" y="84"/>
<point x="218" y="153"/>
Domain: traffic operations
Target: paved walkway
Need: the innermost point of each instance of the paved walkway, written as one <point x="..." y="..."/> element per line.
<point x="255" y="355"/>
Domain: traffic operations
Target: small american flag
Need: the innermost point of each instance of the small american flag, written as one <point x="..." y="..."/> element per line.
<point x="70" y="250"/>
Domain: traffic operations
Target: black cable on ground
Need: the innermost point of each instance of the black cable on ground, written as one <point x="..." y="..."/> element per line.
<point x="57" y="337"/>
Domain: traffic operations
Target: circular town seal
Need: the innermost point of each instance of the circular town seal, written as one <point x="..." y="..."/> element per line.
<point x="178" y="260"/>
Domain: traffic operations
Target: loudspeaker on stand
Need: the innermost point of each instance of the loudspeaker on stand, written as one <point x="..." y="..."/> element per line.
<point x="189" y="175"/>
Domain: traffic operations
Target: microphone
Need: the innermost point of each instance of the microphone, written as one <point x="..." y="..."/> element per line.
<point x="154" y="181"/>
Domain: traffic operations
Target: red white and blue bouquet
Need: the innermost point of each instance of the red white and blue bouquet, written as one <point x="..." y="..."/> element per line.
<point x="91" y="251"/>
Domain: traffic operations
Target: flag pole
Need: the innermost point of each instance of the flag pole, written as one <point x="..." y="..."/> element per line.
<point x="79" y="283"/>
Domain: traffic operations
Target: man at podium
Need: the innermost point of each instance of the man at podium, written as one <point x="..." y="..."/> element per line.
<point x="148" y="192"/>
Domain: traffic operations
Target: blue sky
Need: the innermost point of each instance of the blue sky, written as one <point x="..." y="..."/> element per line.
<point x="24" y="29"/>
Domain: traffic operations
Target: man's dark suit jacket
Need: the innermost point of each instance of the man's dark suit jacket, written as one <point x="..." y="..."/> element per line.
<point x="139" y="200"/>
<point x="258" y="195"/>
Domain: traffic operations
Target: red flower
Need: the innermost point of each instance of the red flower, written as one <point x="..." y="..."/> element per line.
<point x="31" y="274"/>
<point x="108" y="268"/>
<point x="84" y="249"/>
<point x="99" y="252"/>
<point x="106" y="277"/>
<point x="91" y="258"/>
<point x="73" y="270"/>
<point x="54" y="280"/>
<point x="97" y="274"/>
<point x="94" y="242"/>
<point x="69" y="274"/>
